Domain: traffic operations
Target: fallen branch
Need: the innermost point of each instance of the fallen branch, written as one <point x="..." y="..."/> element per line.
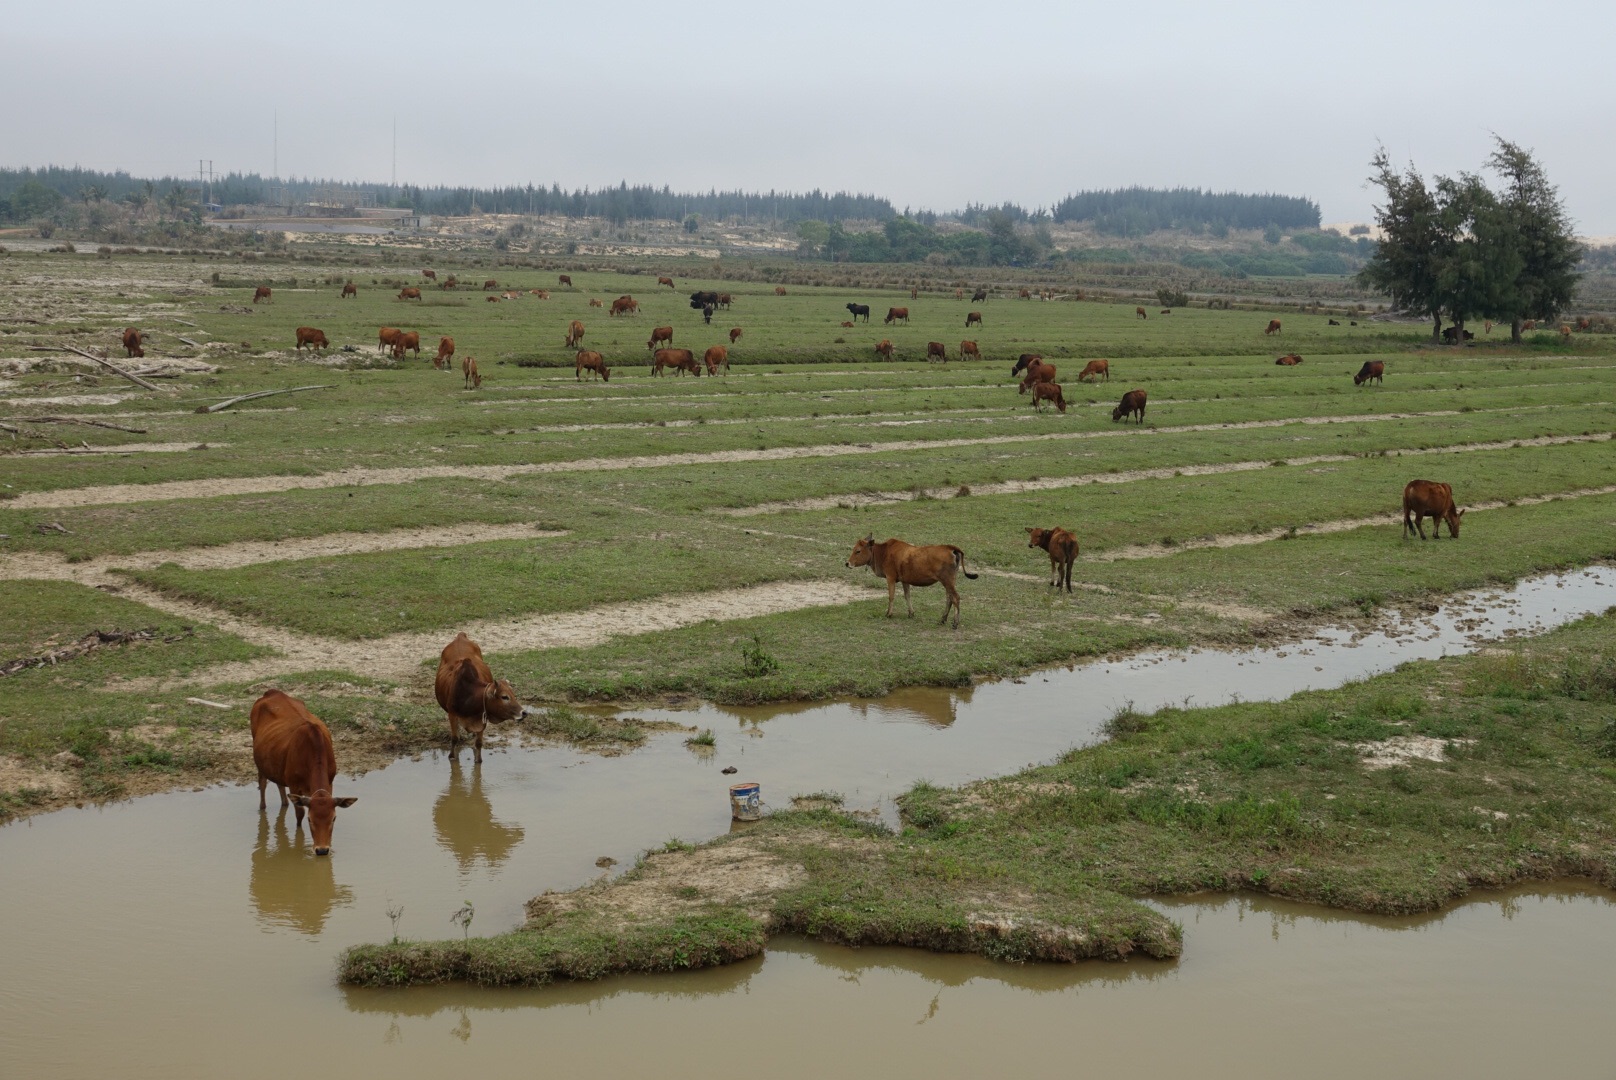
<point x="205" y="701"/>
<point x="89" y="642"/>
<point x="110" y="366"/>
<point x="188" y="341"/>
<point x="260" y="394"/>
<point x="76" y="420"/>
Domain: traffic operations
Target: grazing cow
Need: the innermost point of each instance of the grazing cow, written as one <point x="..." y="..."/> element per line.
<point x="973" y="318"/>
<point x="662" y="335"/>
<point x="1094" y="370"/>
<point x="468" y="368"/>
<point x="452" y="283"/>
<point x="1428" y="499"/>
<point x="1372" y="369"/>
<point x="1132" y="402"/>
<point x="1047" y="391"/>
<point x="131" y="342"/>
<point x="935" y="348"/>
<point x="968" y="348"/>
<point x="292" y="750"/>
<point x="859" y="309"/>
<point x="902" y="563"/>
<point x="846" y="325"/>
<point x="490" y="284"/>
<point x="575" y="334"/>
<point x="680" y="360"/>
<point x="1273" y="327"/>
<point x="1037" y="372"/>
<point x="493" y="299"/>
<point x="387" y="338"/>
<point x="348" y="290"/>
<point x="896" y="314"/>
<point x="542" y="294"/>
<point x="621" y="306"/>
<point x="469" y="694"/>
<point x="1022" y="363"/>
<point x="1288" y="360"/>
<point x="707" y="314"/>
<point x="446" y="351"/>
<point x="1062" y="548"/>
<point x="565" y="279"/>
<point x="1026" y="293"/>
<point x="593" y="363"/>
<point x="779" y="290"/>
<point x="315" y="339"/>
<point x="409" y="293"/>
<point x="1583" y="324"/>
<point x="668" y="281"/>
<point x="1332" y="322"/>
<point x="1140" y="312"/>
<point x="263" y="292"/>
<point x="1529" y="324"/>
<point x="734" y="334"/>
<point x="433" y="274"/>
<point x="979" y="296"/>
<point x="884" y="348"/>
<point x="715" y="358"/>
<point x="406" y="341"/>
<point x="725" y="300"/>
<point x="1451" y="335"/>
<point x="596" y="302"/>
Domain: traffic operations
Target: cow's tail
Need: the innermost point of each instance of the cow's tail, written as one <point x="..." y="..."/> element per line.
<point x="959" y="562"/>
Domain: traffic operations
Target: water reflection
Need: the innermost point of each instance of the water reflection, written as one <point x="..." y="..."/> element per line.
<point x="464" y="821"/>
<point x="290" y="887"/>
<point x="934" y="706"/>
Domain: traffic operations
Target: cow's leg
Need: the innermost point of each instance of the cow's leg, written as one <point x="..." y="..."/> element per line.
<point x="262" y="782"/>
<point x="910" y="604"/>
<point x="477" y="747"/>
<point x="1408" y="526"/>
<point x="892" y="588"/>
<point x="298" y="811"/>
<point x="454" y="735"/>
<point x="280" y="787"/>
<point x="1069" y="563"/>
<point x="952" y="604"/>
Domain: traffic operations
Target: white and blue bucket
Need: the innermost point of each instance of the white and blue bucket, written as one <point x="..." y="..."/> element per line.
<point x="746" y="802"/>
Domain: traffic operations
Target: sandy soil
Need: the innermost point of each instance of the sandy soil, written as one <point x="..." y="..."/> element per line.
<point x="124" y="448"/>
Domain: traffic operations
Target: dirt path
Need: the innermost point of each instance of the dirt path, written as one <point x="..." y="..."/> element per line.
<point x="360" y="477"/>
<point x="124" y="448"/>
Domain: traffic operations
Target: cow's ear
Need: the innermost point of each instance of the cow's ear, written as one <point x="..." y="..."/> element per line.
<point x="1029" y="531"/>
<point x="1461" y="513"/>
<point x="301" y="800"/>
<point x="870" y="539"/>
<point x="346" y="800"/>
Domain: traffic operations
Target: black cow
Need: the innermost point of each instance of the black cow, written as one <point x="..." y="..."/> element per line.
<point x="859" y="309"/>
<point x="707" y="313"/>
<point x="699" y="300"/>
<point x="1451" y="335"/>
<point x="980" y="294"/>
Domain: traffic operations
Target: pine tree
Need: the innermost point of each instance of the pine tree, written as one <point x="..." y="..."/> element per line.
<point x="1543" y="237"/>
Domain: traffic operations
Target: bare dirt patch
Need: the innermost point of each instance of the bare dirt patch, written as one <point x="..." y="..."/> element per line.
<point x="1402" y="749"/>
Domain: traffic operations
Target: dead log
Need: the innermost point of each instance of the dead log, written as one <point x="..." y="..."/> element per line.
<point x="110" y="366"/>
<point x="261" y="394"/>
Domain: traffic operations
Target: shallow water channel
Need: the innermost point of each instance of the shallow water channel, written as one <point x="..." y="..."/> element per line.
<point x="186" y="935"/>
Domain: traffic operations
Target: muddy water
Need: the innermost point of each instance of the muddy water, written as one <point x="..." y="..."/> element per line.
<point x="188" y="935"/>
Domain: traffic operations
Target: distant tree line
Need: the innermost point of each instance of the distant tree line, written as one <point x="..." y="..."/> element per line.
<point x="1137" y="211"/>
<point x="998" y="242"/>
<point x="1458" y="249"/>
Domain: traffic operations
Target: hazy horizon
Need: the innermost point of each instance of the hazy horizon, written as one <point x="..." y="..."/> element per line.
<point x="930" y="106"/>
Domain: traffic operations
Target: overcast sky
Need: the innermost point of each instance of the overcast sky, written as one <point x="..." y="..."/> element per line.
<point x="929" y="104"/>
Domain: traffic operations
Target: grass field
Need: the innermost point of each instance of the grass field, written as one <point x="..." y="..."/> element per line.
<point x="623" y="540"/>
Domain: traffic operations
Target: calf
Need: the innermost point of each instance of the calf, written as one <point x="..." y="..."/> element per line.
<point x="1047" y="391"/>
<point x="902" y="563"/>
<point x="668" y="281"/>
<point x="446" y="351"/>
<point x="884" y="349"/>
<point x="1288" y="360"/>
<point x="593" y="363"/>
<point x="973" y="318"/>
<point x="935" y="349"/>
<point x="468" y="368"/>
<point x="1372" y="369"/>
<point x="292" y="750"/>
<point x="662" y="335"/>
<point x="1037" y="372"/>
<point x="575" y="334"/>
<point x="409" y="293"/>
<point x="1023" y="362"/>
<point x="725" y="300"/>
<point x="131" y="343"/>
<point x="315" y="339"/>
<point x="596" y="302"/>
<point x="1140" y="313"/>
<point x="1273" y="327"/>
<point x="490" y="284"/>
<point x="348" y="290"/>
<point x="1132" y="402"/>
<point x="1062" y="548"/>
<point x="858" y="310"/>
<point x="263" y="292"/>
<point x="968" y="348"/>
<point x="565" y="279"/>
<point x="469" y="694"/>
<point x="734" y="334"/>
<point x="1094" y="371"/>
<point x="1429" y="499"/>
<point x="707" y="314"/>
<point x="542" y="294"/>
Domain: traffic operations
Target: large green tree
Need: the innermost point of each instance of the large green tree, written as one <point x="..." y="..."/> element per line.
<point x="1542" y="235"/>
<point x="1415" y="241"/>
<point x="1477" y="275"/>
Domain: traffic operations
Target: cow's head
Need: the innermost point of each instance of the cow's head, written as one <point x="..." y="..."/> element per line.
<point x="1452" y="518"/>
<point x="863" y="552"/>
<point x="322" y="810"/>
<point x="499" y="702"/>
<point x="1039" y="538"/>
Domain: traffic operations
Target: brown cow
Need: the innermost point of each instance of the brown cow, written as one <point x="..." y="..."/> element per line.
<point x="446" y="351"/>
<point x="387" y="338"/>
<point x="348" y="290"/>
<point x="668" y="281"/>
<point x="900" y="562"/>
<point x="1273" y="327"/>
<point x="1372" y="369"/>
<point x="968" y="348"/>
<point x="1062" y="548"/>
<point x="1047" y="391"/>
<point x="406" y="341"/>
<point x="1026" y="293"/>
<point x="511" y="295"/>
<point x="959" y="294"/>
<point x="779" y="290"/>
<point x="725" y="300"/>
<point x="734" y="334"/>
<point x="592" y="362"/>
<point x="935" y="348"/>
<point x="596" y="302"/>
<point x="847" y="325"/>
<point x="1288" y="360"/>
<point x="1023" y="362"/>
<point x="542" y="294"/>
<point x="1166" y="311"/>
<point x="409" y="293"/>
<point x="263" y="292"/>
<point x="452" y="283"/>
<point x="681" y="360"/>
<point x="1583" y="323"/>
<point x="715" y="358"/>
<point x="973" y="318"/>
<point x="1565" y="331"/>
<point x="1529" y="324"/>
<point x="308" y="335"/>
<point x="490" y="284"/>
<point x="1428" y="499"/>
<point x="1037" y="372"/>
<point x="575" y="334"/>
<point x="894" y="314"/>
<point x="433" y="274"/>
<point x="884" y="349"/>
<point x="469" y="694"/>
<point x="1132" y="402"/>
<point x="1094" y="369"/>
<point x="292" y="750"/>
<point x="131" y="342"/>
<point x="468" y="368"/>
<point x="493" y="299"/>
<point x="661" y="335"/>
<point x="1139" y="311"/>
<point x="565" y="279"/>
<point x="621" y="306"/>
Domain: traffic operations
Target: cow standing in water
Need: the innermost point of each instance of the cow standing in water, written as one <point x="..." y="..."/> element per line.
<point x="469" y="694"/>
<point x="903" y="563"/>
<point x="292" y="749"/>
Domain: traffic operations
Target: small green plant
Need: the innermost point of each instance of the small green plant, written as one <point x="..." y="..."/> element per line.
<point x="1124" y="721"/>
<point x="757" y="661"/>
<point x="704" y="737"/>
<point x="462" y="919"/>
<point x="395" y="913"/>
